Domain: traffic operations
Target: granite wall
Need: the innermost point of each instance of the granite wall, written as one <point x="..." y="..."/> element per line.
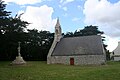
<point x="78" y="60"/>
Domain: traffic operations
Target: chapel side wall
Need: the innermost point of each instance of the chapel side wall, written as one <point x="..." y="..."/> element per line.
<point x="78" y="60"/>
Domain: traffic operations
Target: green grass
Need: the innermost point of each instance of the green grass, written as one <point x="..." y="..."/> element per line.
<point x="36" y="70"/>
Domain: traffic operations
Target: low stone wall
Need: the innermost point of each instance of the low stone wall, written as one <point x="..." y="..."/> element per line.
<point x="78" y="60"/>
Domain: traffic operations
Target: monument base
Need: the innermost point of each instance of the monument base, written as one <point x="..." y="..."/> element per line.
<point x="18" y="61"/>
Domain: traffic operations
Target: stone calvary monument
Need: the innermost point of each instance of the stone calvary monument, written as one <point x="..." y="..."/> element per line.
<point x="19" y="59"/>
<point x="82" y="50"/>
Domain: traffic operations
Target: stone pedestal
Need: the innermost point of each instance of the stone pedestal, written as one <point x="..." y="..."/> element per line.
<point x="18" y="61"/>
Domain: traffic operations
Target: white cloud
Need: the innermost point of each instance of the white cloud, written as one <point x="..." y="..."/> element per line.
<point x="104" y="14"/>
<point x="22" y="2"/>
<point x="65" y="8"/>
<point x="66" y="1"/>
<point x="79" y="7"/>
<point x="61" y="1"/>
<point x="39" y="17"/>
<point x="114" y="42"/>
<point x="76" y="19"/>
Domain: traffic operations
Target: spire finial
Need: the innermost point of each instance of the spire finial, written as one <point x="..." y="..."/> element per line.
<point x="58" y="23"/>
<point x="58" y="18"/>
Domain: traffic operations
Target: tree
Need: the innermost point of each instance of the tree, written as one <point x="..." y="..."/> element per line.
<point x="4" y="16"/>
<point x="69" y="34"/>
<point x="11" y="31"/>
<point x="89" y="30"/>
<point x="37" y="44"/>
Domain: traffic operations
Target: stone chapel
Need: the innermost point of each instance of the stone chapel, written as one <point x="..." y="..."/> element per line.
<point x="84" y="50"/>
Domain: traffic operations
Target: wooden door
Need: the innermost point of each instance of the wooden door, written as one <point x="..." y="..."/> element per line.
<point x="71" y="61"/>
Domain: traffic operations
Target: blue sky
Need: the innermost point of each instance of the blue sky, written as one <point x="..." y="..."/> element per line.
<point x="73" y="15"/>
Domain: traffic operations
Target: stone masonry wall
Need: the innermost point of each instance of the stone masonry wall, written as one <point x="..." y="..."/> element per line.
<point x="78" y="60"/>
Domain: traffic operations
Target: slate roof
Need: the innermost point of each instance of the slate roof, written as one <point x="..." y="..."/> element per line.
<point x="85" y="45"/>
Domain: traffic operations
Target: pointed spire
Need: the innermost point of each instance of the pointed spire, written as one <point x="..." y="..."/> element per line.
<point x="58" y="31"/>
<point x="58" y="23"/>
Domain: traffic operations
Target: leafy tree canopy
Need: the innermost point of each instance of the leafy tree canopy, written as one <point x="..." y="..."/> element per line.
<point x="88" y="30"/>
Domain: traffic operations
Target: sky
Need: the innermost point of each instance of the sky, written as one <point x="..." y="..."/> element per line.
<point x="73" y="15"/>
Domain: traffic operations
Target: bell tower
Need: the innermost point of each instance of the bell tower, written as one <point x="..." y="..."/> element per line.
<point x="57" y="37"/>
<point x="58" y="31"/>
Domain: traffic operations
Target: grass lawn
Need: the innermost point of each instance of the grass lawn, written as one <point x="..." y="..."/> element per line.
<point x="37" y="70"/>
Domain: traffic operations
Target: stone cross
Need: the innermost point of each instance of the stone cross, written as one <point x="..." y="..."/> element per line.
<point x="19" y="60"/>
<point x="19" y="48"/>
